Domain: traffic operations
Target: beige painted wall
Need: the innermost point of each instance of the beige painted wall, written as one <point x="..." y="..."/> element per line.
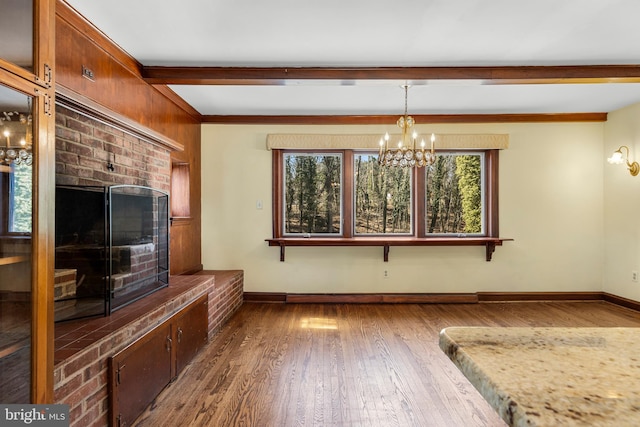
<point x="551" y="203"/>
<point x="622" y="206"/>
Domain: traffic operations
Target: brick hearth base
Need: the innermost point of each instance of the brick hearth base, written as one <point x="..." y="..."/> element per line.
<point x="82" y="347"/>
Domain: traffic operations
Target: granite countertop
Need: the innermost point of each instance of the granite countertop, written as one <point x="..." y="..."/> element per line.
<point x="552" y="376"/>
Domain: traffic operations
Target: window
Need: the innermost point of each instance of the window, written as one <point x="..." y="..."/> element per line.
<point x="383" y="202"/>
<point x="348" y="194"/>
<point x="312" y="194"/>
<point x="16" y="185"/>
<point x="20" y="199"/>
<point x="454" y="196"/>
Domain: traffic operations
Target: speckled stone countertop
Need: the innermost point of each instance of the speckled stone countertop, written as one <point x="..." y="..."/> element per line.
<point x="552" y="376"/>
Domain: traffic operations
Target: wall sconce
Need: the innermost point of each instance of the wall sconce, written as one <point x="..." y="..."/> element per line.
<point x="617" y="159"/>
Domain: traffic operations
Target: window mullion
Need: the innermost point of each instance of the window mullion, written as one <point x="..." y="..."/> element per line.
<point x="278" y="197"/>
<point x="419" y="202"/>
<point x="348" y="198"/>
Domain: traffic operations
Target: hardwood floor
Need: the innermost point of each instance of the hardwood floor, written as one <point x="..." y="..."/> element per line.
<point x="349" y="365"/>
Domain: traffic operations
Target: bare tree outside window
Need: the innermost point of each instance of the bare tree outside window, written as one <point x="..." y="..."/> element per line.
<point x="312" y="190"/>
<point x="347" y="194"/>
<point x="20" y="199"/>
<point x="382" y="197"/>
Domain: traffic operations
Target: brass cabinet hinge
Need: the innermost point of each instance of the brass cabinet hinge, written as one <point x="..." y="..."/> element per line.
<point x="48" y="105"/>
<point x="48" y="75"/>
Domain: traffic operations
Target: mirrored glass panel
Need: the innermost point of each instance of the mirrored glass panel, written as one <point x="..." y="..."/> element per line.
<point x="16" y="158"/>
<point x="16" y="32"/>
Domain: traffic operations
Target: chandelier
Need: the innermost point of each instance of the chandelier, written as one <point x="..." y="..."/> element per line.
<point x="16" y="126"/>
<point x="406" y="154"/>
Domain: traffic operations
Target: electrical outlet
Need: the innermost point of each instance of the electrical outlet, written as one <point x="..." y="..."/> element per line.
<point x="386" y="274"/>
<point x="634" y="276"/>
<point x="258" y="204"/>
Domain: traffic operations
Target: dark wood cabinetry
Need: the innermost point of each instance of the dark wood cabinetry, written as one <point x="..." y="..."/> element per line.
<point x="139" y="372"/>
<point x="191" y="333"/>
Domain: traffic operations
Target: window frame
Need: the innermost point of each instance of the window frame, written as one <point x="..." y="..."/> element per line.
<point x="490" y="240"/>
<point x="422" y="232"/>
<point x="490" y="187"/>
<point x="338" y="153"/>
<point x="413" y="201"/>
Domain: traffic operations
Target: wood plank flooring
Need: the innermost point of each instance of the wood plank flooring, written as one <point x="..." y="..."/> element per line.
<point x="349" y="365"/>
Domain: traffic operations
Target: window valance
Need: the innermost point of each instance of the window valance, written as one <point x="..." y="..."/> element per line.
<point x="371" y="142"/>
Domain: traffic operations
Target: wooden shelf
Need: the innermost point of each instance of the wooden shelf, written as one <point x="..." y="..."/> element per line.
<point x="6" y="260"/>
<point x="489" y="243"/>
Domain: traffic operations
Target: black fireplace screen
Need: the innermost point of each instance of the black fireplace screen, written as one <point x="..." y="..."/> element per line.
<point x="112" y="247"/>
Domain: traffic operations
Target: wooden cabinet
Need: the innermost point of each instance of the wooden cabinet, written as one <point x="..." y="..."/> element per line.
<point x="139" y="372"/>
<point x="191" y="333"/>
<point x="27" y="87"/>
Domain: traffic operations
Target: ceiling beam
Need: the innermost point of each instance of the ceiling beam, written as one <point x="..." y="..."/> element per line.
<point x="419" y="118"/>
<point x="348" y="76"/>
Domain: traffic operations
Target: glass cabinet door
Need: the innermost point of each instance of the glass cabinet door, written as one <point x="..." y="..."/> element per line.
<point x="16" y="160"/>
<point x="16" y="33"/>
<point x="27" y="176"/>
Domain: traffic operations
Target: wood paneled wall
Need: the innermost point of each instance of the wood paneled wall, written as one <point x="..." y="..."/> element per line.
<point x="118" y="87"/>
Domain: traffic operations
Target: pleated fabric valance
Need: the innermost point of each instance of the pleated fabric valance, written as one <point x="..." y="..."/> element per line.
<point x="371" y="142"/>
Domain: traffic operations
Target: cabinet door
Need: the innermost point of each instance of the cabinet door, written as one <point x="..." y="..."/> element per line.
<point x="191" y="331"/>
<point x="139" y="373"/>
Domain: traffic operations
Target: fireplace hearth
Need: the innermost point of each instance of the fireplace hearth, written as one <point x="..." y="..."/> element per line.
<point x="112" y="243"/>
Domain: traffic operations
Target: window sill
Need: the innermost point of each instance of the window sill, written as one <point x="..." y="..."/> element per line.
<point x="489" y="243"/>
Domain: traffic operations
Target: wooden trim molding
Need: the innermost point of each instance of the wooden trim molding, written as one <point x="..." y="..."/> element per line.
<point x="180" y="102"/>
<point x="264" y="297"/>
<point x="85" y="106"/>
<point x="437" y="298"/>
<point x="489" y="75"/>
<point x="538" y="296"/>
<point x="89" y="30"/>
<point x="420" y="118"/>
<point x="624" y="302"/>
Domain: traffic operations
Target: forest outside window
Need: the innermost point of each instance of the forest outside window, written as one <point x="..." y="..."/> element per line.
<point x="312" y="194"/>
<point x="16" y="184"/>
<point x="347" y="194"/>
<point x="454" y="195"/>
<point x="383" y="202"/>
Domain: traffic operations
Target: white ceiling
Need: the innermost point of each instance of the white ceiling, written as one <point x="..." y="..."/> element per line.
<point x="380" y="33"/>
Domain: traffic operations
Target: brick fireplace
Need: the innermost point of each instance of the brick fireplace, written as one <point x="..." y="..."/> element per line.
<point x="94" y="214"/>
<point x="87" y="148"/>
